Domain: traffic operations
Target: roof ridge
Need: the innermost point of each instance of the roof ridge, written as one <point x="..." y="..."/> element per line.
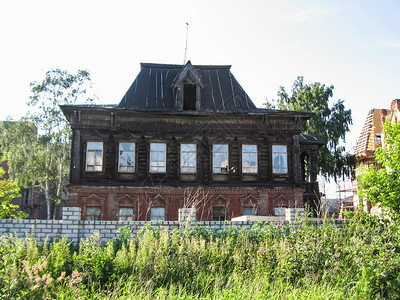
<point x="178" y="66"/>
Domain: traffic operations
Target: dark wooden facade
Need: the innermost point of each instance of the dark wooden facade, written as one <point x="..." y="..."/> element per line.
<point x="214" y="110"/>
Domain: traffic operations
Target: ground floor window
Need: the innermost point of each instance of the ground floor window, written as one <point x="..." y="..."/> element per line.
<point x="126" y="214"/>
<point x="249" y="211"/>
<point x="279" y="211"/>
<point x="93" y="213"/>
<point x="219" y="213"/>
<point x="157" y="214"/>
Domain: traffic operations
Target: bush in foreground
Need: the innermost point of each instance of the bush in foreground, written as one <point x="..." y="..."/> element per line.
<point x="290" y="262"/>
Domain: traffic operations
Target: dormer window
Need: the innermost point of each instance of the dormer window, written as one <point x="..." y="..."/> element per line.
<point x="189" y="97"/>
<point x="187" y="88"/>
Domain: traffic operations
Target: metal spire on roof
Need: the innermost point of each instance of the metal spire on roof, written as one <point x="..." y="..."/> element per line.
<point x="187" y="30"/>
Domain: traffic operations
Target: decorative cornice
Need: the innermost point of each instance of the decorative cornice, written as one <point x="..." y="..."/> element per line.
<point x="181" y="190"/>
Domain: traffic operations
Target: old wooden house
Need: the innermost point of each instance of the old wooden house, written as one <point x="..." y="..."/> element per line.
<point x="188" y="136"/>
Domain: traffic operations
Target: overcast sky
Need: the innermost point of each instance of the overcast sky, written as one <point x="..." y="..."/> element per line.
<point x="352" y="45"/>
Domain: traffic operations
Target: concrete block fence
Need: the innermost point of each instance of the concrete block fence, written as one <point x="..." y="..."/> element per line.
<point x="76" y="229"/>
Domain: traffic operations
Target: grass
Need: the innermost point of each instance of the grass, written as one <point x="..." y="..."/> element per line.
<point x="361" y="261"/>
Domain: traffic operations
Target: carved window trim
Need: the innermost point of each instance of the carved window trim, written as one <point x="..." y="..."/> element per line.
<point x="93" y="200"/>
<point x="250" y="201"/>
<point x="157" y="201"/>
<point x="127" y="201"/>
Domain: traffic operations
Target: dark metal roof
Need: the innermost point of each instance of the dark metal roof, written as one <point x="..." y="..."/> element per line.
<point x="153" y="89"/>
<point x="305" y="138"/>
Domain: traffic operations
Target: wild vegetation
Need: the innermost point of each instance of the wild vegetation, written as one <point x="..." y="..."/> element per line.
<point x="360" y="261"/>
<point x="380" y="183"/>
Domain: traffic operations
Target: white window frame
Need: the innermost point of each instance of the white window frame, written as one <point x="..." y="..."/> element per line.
<point x="188" y="161"/>
<point x="220" y="169"/>
<point x="158" y="166"/>
<point x="130" y="154"/>
<point x="94" y="154"/>
<point x="280" y="157"/>
<point x="160" y="216"/>
<point x="246" y="159"/>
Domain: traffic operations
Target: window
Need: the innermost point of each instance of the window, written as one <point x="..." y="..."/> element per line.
<point x="157" y="214"/>
<point x="93" y="213"/>
<point x="249" y="211"/>
<point x="189" y="97"/>
<point x="126" y="161"/>
<point x="279" y="211"/>
<point x="279" y="159"/>
<point x="125" y="214"/>
<point x="94" y="157"/>
<point x="158" y="157"/>
<point x="249" y="159"/>
<point x="219" y="213"/>
<point x="378" y="139"/>
<point x="188" y="158"/>
<point x="220" y="159"/>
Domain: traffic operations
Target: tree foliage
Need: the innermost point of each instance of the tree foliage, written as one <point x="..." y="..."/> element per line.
<point x="8" y="191"/>
<point x="330" y="122"/>
<point x="38" y="147"/>
<point x="381" y="184"/>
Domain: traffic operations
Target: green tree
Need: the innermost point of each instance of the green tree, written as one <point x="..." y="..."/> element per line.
<point x="381" y="185"/>
<point x="331" y="123"/>
<point x="38" y="147"/>
<point x="8" y="191"/>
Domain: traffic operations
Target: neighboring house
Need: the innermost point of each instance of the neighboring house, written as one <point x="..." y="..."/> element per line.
<point x="371" y="138"/>
<point x="189" y="136"/>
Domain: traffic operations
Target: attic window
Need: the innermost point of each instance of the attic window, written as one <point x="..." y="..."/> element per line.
<point x="189" y="97"/>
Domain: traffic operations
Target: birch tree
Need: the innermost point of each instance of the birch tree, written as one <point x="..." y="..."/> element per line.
<point x="331" y="122"/>
<point x="38" y="147"/>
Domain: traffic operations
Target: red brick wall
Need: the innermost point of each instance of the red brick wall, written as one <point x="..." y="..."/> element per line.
<point x="142" y="199"/>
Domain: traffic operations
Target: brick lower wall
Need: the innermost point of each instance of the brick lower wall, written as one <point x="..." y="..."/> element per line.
<point x="75" y="229"/>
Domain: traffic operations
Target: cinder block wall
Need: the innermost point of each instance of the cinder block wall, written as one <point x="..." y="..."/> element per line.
<point x="75" y="229"/>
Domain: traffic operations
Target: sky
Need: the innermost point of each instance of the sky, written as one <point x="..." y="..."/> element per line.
<point x="352" y="45"/>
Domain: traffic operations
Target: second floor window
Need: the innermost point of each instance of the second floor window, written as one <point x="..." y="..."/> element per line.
<point x="249" y="159"/>
<point x="220" y="159"/>
<point x="188" y="158"/>
<point x="158" y="159"/>
<point x="279" y="159"/>
<point x="126" y="157"/>
<point x="94" y="157"/>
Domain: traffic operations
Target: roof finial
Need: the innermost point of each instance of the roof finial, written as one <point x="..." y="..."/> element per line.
<point x="187" y="29"/>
